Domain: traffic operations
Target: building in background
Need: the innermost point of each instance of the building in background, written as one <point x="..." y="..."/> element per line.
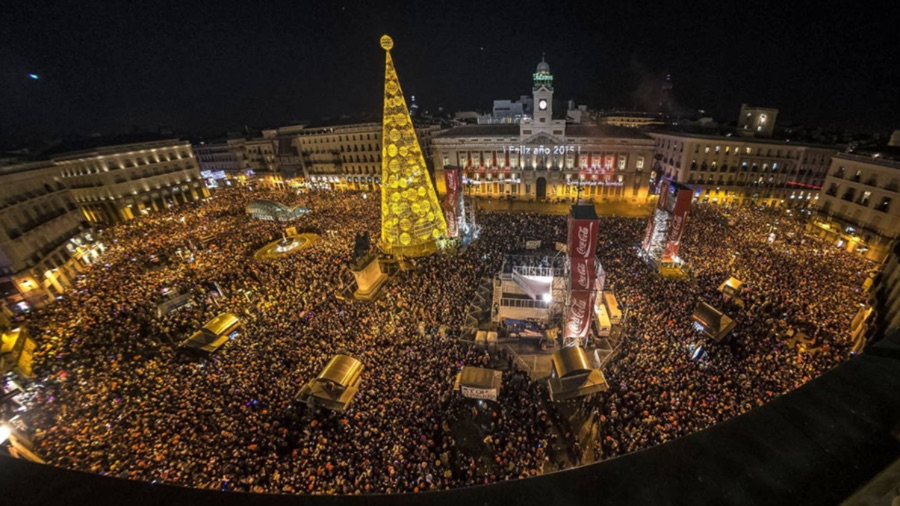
<point x="257" y="159"/>
<point x="665" y="96"/>
<point x="44" y="238"/>
<point x="116" y="183"/>
<point x="345" y="155"/>
<point x="742" y="170"/>
<point x="757" y="121"/>
<point x="630" y="119"/>
<point x="217" y="161"/>
<point x="886" y="293"/>
<point x="544" y="158"/>
<point x="341" y="156"/>
<point x="859" y="209"/>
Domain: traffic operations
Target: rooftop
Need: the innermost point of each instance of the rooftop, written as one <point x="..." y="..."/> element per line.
<point x="499" y="130"/>
<point x="731" y="136"/>
<point x="507" y="130"/>
<point x="84" y="146"/>
<point x="888" y="157"/>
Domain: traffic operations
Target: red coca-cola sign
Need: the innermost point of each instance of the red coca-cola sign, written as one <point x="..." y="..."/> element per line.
<point x="583" y="273"/>
<point x="452" y="200"/>
<point x="676" y="228"/>
<point x="578" y="315"/>
<point x="583" y="238"/>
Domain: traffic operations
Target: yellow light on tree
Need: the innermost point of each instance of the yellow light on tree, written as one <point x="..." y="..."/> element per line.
<point x="411" y="217"/>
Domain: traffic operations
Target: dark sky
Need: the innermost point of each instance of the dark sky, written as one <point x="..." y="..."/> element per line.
<point x="208" y="67"/>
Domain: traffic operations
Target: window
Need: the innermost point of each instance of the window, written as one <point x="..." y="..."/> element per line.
<point x="864" y="200"/>
<point x="639" y="164"/>
<point x="885" y="204"/>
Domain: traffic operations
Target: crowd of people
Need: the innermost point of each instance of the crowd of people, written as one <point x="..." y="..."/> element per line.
<point x="117" y="396"/>
<point x="661" y="385"/>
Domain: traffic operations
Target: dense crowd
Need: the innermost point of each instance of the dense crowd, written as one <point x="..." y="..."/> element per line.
<point x="661" y="385"/>
<point x="118" y="397"/>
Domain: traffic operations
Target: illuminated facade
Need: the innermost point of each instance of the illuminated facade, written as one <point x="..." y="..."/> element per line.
<point x="44" y="240"/>
<point x="345" y="155"/>
<point x="117" y="183"/>
<point x="411" y="217"/>
<point x="858" y="209"/>
<point x="758" y="121"/>
<point x="544" y="158"/>
<point x="217" y="162"/>
<point x="743" y="170"/>
<point x="630" y="119"/>
<point x="340" y="156"/>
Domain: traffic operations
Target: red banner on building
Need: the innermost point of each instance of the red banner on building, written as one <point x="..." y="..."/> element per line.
<point x="676" y="227"/>
<point x="648" y="234"/>
<point x="453" y="183"/>
<point x="663" y="194"/>
<point x="582" y="238"/>
<point x="583" y="274"/>
<point x="578" y="314"/>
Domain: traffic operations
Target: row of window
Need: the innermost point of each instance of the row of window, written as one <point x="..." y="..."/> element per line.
<point x="857" y="177"/>
<point x="124" y="163"/>
<point x="862" y="198"/>
<point x="811" y="158"/>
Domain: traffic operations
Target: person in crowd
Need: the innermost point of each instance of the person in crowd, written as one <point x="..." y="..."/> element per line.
<point x="117" y="397"/>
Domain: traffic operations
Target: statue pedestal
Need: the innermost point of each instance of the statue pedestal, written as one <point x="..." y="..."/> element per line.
<point x="370" y="277"/>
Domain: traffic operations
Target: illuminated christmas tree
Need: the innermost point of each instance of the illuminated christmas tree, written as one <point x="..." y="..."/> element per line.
<point x="411" y="217"/>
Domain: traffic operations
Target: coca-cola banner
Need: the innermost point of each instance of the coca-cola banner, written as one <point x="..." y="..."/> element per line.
<point x="676" y="227"/>
<point x="663" y="194"/>
<point x="578" y="314"/>
<point x="583" y="274"/>
<point x="583" y="238"/>
<point x="453" y="183"/>
<point x="648" y="234"/>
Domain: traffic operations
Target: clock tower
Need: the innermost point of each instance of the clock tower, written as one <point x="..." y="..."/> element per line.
<point x="541" y="122"/>
<point x="543" y="93"/>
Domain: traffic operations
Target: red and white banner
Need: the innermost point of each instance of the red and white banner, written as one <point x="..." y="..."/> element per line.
<point x="453" y="183"/>
<point x="676" y="227"/>
<point x="583" y="274"/>
<point x="578" y="314"/>
<point x="663" y="194"/>
<point x="648" y="234"/>
<point x="582" y="238"/>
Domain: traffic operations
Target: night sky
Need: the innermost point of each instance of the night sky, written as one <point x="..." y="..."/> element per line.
<point x="206" y="67"/>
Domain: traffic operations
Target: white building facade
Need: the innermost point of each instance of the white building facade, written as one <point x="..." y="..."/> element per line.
<point x="44" y="238"/>
<point x="859" y="209"/>
<point x="116" y="183"/>
<point x="543" y="158"/>
<point x="743" y="170"/>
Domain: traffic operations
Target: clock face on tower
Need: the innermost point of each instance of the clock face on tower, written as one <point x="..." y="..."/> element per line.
<point x="542" y="104"/>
